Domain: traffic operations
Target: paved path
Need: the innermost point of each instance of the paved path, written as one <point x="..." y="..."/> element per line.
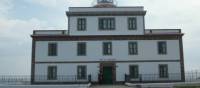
<point x="110" y="86"/>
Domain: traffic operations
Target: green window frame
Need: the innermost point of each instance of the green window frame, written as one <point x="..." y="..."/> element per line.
<point x="81" y="24"/>
<point x="52" y="73"/>
<point x="134" y="71"/>
<point x="52" y="49"/>
<point x="107" y="48"/>
<point x="132" y="23"/>
<point x="81" y="49"/>
<point x="133" y="48"/>
<point x="162" y="47"/>
<point x="82" y="72"/>
<point x="106" y="23"/>
<point x="163" y="71"/>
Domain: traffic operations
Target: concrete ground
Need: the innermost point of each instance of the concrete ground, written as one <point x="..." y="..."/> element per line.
<point x="110" y="86"/>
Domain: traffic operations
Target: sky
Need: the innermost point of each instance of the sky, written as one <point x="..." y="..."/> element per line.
<point x="18" y="19"/>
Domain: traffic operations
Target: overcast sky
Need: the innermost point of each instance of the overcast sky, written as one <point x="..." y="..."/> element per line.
<point x="18" y="18"/>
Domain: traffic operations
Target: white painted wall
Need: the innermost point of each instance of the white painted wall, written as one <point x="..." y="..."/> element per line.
<point x="147" y="49"/>
<point x="121" y="25"/>
<point x="121" y="69"/>
<point x="66" y="70"/>
<point x="149" y="68"/>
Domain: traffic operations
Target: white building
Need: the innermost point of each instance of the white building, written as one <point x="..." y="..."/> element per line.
<point x="107" y="44"/>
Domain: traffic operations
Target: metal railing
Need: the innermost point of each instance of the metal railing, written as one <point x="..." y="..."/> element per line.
<point x="50" y="32"/>
<point x="15" y="79"/>
<point x="62" y="78"/>
<point x="26" y="80"/>
<point x="193" y="76"/>
<point x="153" y="78"/>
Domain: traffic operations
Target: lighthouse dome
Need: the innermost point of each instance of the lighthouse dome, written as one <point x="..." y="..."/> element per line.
<point x="105" y="4"/>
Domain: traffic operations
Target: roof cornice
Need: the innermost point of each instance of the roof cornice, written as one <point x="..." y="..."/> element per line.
<point x="107" y="13"/>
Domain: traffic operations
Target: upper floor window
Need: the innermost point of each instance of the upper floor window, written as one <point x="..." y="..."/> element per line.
<point x="81" y="24"/>
<point x="132" y="23"/>
<point x="52" y="73"/>
<point x="162" y="47"/>
<point x="81" y="49"/>
<point x="133" y="48"/>
<point x="107" y="48"/>
<point x="106" y="23"/>
<point x="163" y="71"/>
<point x="52" y="49"/>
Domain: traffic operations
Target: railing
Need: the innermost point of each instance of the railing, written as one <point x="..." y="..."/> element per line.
<point x="50" y="32"/>
<point x="26" y="80"/>
<point x="63" y="78"/>
<point x="193" y="76"/>
<point x="189" y="77"/>
<point x="153" y="78"/>
<point x="15" y="79"/>
<point x="162" y="31"/>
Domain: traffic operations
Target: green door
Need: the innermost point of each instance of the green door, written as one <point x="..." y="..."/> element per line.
<point x="107" y="75"/>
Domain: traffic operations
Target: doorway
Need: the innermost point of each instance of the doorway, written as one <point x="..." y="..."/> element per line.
<point x="107" y="75"/>
<point x="108" y="71"/>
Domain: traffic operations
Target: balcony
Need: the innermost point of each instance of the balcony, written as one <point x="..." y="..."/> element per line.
<point x="50" y="32"/>
<point x="162" y="31"/>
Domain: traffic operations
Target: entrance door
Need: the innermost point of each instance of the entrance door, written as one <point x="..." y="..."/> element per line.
<point x="107" y="75"/>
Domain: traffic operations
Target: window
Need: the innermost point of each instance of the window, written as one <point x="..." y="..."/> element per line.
<point x="81" y="24"/>
<point x="52" y="73"/>
<point x="106" y="23"/>
<point x="162" y="47"/>
<point x="163" y="71"/>
<point x="133" y="48"/>
<point x="81" y="49"/>
<point x="107" y="48"/>
<point x="134" y="71"/>
<point x="52" y="49"/>
<point x="82" y="72"/>
<point x="105" y="1"/>
<point x="132" y="23"/>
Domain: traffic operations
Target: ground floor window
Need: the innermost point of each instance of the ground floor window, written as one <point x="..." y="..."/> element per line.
<point x="52" y="73"/>
<point x="134" y="71"/>
<point x="163" y="71"/>
<point x="82" y="72"/>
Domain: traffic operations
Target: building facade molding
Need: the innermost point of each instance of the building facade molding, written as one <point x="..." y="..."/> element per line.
<point x="107" y="37"/>
<point x="108" y="13"/>
<point x="130" y="61"/>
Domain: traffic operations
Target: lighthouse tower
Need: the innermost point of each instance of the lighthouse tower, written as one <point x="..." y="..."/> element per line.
<point x="105" y="4"/>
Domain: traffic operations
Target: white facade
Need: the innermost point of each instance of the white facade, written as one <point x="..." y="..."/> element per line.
<point x="121" y="26"/>
<point x="121" y="70"/>
<point x="66" y="60"/>
<point x="147" y="50"/>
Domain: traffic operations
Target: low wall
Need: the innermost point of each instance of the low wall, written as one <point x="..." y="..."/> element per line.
<point x="45" y="86"/>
